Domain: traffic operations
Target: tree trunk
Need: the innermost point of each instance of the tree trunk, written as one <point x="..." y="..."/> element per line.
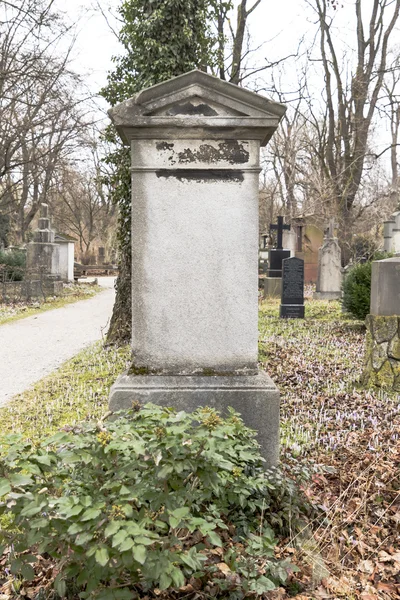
<point x="121" y="321"/>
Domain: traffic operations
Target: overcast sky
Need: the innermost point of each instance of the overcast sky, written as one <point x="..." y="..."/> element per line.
<point x="275" y="25"/>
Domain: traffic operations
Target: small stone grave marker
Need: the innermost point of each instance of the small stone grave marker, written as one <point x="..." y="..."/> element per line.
<point x="292" y="302"/>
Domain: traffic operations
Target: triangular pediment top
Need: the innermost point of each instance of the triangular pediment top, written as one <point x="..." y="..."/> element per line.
<point x="194" y="102"/>
<point x="225" y="98"/>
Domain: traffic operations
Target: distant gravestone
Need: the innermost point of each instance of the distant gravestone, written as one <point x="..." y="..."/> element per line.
<point x="292" y="300"/>
<point x="102" y="255"/>
<point x="329" y="280"/>
<point x="43" y="254"/>
<point x="391" y="233"/>
<point x="273" y="281"/>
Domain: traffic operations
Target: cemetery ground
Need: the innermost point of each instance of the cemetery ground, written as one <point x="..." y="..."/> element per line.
<point x="20" y="309"/>
<point x="345" y="437"/>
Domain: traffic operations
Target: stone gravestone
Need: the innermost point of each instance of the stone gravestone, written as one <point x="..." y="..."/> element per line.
<point x="391" y="233"/>
<point x="292" y="300"/>
<point x="273" y="281"/>
<point x="382" y="351"/>
<point x="289" y="241"/>
<point x="195" y="143"/>
<point x="329" y="280"/>
<point x="43" y="254"/>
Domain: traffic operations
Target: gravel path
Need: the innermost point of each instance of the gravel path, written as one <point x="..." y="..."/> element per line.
<point x="34" y="347"/>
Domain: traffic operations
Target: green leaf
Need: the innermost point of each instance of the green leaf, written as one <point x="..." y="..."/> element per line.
<point x="165" y="471"/>
<point x="75" y="528"/>
<point x="215" y="539"/>
<point x="5" y="487"/>
<point x="143" y="540"/>
<point x="39" y="523"/>
<point x="119" y="538"/>
<point x="126" y="544"/>
<point x="90" y="514"/>
<point x="27" y="572"/>
<point x="128" y="510"/>
<point x="101" y="556"/>
<point x="16" y="566"/>
<point x="177" y="577"/>
<point x="60" y="586"/>
<point x="176" y="516"/>
<point x="112" y="528"/>
<point x="139" y="554"/>
<point x="73" y="511"/>
<point x="17" y="479"/>
<point x="30" y="510"/>
<point x="83" y="538"/>
<point x="262" y="585"/>
<point x="165" y="581"/>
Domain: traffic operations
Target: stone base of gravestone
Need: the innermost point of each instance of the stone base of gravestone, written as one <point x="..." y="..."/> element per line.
<point x="327" y="295"/>
<point x="382" y="352"/>
<point x="291" y="311"/>
<point x="255" y="397"/>
<point x="272" y="287"/>
<point x="382" y="347"/>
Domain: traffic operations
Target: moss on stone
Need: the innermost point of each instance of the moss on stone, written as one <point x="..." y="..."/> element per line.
<point x="384" y="377"/>
<point x="208" y="372"/>
<point x="383" y="328"/>
<point x="394" y="348"/>
<point x="379" y="355"/>
<point x="141" y="370"/>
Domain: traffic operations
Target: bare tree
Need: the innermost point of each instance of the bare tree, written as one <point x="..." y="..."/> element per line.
<point x="41" y="114"/>
<point x="350" y="104"/>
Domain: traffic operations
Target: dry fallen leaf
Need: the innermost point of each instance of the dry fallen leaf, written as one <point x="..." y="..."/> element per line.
<point x="223" y="567"/>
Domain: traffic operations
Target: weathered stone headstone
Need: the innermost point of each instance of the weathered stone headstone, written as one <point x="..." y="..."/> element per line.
<point x="329" y="280"/>
<point x="382" y="353"/>
<point x="292" y="300"/>
<point x="66" y="256"/>
<point x="43" y="254"/>
<point x="289" y="241"/>
<point x="391" y="234"/>
<point x="195" y="144"/>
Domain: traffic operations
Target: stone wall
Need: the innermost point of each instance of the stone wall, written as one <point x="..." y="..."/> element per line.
<point x="27" y="290"/>
<point x="382" y="352"/>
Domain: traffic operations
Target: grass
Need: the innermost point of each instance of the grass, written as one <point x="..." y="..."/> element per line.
<point x="76" y="392"/>
<point x="73" y="292"/>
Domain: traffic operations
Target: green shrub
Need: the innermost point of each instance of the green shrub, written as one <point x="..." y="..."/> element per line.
<point x="154" y="499"/>
<point x="357" y="287"/>
<point x="13" y="263"/>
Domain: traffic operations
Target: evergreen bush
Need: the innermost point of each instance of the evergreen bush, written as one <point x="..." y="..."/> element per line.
<point x="357" y="287"/>
<point x="155" y="499"/>
<point x="13" y="264"/>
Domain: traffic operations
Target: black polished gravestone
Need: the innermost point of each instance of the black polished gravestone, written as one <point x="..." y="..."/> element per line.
<point x="278" y="254"/>
<point x="292" y="302"/>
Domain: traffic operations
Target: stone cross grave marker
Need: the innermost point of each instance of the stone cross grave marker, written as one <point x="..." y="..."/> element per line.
<point x="292" y="300"/>
<point x="276" y="255"/>
<point x="279" y="228"/>
<point x="195" y="143"/>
